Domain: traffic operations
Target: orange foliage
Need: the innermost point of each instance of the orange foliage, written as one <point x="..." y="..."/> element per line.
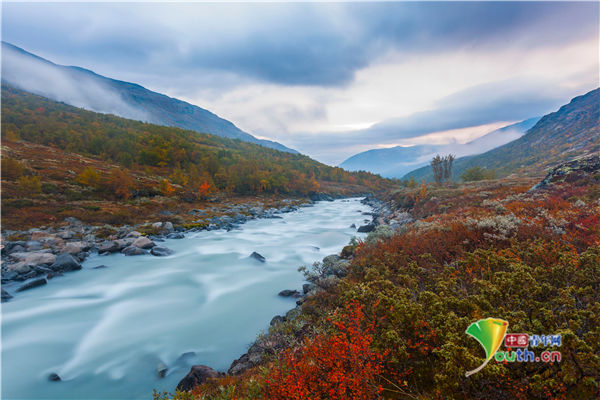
<point x="337" y="366"/>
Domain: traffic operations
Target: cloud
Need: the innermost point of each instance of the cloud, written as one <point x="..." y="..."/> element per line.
<point x="291" y="44"/>
<point x="38" y="76"/>
<point x="302" y="73"/>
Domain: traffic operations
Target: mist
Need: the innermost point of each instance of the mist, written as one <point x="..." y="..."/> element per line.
<point x="74" y="86"/>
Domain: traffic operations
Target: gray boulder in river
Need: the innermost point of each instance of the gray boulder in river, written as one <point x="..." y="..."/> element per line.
<point x="65" y="262"/>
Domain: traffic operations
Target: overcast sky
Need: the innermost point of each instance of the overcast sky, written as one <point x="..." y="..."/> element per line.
<point x="334" y="79"/>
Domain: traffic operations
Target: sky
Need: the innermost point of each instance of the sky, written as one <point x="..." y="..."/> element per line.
<point x="333" y="79"/>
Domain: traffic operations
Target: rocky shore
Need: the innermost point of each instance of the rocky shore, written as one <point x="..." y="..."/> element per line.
<point x="31" y="258"/>
<point x="385" y="220"/>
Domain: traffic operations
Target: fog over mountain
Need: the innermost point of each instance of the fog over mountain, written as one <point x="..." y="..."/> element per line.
<point x="396" y="161"/>
<point x="85" y="89"/>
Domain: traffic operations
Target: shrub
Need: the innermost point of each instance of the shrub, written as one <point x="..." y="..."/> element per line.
<point x="477" y="173"/>
<point x="30" y="184"/>
<point x="11" y="168"/>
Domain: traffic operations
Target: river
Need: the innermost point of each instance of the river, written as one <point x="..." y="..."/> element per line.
<point x="105" y="331"/>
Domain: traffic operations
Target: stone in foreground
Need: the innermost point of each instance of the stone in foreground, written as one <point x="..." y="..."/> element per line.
<point x="197" y="376"/>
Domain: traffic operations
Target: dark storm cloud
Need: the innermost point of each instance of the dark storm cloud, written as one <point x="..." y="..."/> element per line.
<point x="290" y="44"/>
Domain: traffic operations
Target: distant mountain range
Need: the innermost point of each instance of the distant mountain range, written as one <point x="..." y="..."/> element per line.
<point x="571" y="132"/>
<point x="85" y="89"/>
<point x="397" y="161"/>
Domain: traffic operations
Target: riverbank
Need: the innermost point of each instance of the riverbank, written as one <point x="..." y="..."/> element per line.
<point x="33" y="257"/>
<point x="107" y="331"/>
<point x="386" y="219"/>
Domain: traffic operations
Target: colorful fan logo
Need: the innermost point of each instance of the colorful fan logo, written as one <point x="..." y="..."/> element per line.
<point x="489" y="333"/>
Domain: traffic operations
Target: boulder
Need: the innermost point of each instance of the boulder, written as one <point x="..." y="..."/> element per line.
<point x="37" y="235"/>
<point x="9" y="275"/>
<point x="100" y="266"/>
<point x="5" y="296"/>
<point x="289" y="293"/>
<point x="175" y="235"/>
<point x="33" y="245"/>
<point x="366" y="228"/>
<point x="161" y="251"/>
<point x="108" y="246"/>
<point x="353" y="226"/>
<point x="67" y="234"/>
<point x="65" y="262"/>
<point x="17" y="248"/>
<point x="162" y="369"/>
<point x="197" y="375"/>
<point x="20" y="267"/>
<point x="258" y="257"/>
<point x="54" y="377"/>
<point x="35" y="257"/>
<point x="157" y="225"/>
<point x="133" y="234"/>
<point x="133" y="251"/>
<point x="75" y="247"/>
<point x="168" y="226"/>
<point x="307" y="287"/>
<point x="143" y="243"/>
<point x="278" y="319"/>
<point x="32" y="284"/>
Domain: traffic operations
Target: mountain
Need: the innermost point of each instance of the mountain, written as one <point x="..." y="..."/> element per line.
<point x="85" y="89"/>
<point x="397" y="161"/>
<point x="571" y="132"/>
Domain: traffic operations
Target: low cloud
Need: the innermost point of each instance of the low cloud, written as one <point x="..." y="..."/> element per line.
<point x="71" y="86"/>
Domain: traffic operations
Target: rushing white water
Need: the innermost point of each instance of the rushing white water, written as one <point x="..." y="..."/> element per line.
<point x="104" y="331"/>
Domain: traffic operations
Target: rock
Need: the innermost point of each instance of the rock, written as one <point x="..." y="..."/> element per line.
<point x="100" y="266"/>
<point x="168" y="226"/>
<point x="289" y="293"/>
<point x="108" y="246"/>
<point x="185" y="360"/>
<point x="65" y="262"/>
<point x="37" y="235"/>
<point x="258" y="257"/>
<point x="334" y="266"/>
<point x="9" y="275"/>
<point x="16" y="249"/>
<point x="134" y="251"/>
<point x="366" y="228"/>
<point x="5" y="296"/>
<point x="162" y="369"/>
<point x="307" y="287"/>
<point x="32" y="284"/>
<point x="278" y="319"/>
<point x="197" y="375"/>
<point x="35" y="258"/>
<point x="52" y="275"/>
<point x="157" y="225"/>
<point x="20" y="268"/>
<point x="161" y="251"/>
<point x="133" y="234"/>
<point x="347" y="252"/>
<point x="353" y="226"/>
<point x="143" y="243"/>
<point x="67" y="234"/>
<point x="33" y="245"/>
<point x="175" y="235"/>
<point x="54" y="377"/>
<point x="75" y="247"/>
<point x="126" y="242"/>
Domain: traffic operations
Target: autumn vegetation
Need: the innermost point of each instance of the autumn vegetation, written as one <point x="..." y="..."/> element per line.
<point x="54" y="154"/>
<point x="393" y="328"/>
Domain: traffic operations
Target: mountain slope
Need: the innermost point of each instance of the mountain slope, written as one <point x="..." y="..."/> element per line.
<point x="397" y="161"/>
<point x="570" y="132"/>
<point x="83" y="88"/>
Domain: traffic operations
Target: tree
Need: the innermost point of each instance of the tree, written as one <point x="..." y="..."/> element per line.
<point x="120" y="183"/>
<point x="11" y="168"/>
<point x="89" y="177"/>
<point x="442" y="168"/>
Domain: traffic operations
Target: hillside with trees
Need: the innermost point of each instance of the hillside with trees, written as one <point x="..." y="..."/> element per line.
<point x="572" y="131"/>
<point x="55" y="153"/>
